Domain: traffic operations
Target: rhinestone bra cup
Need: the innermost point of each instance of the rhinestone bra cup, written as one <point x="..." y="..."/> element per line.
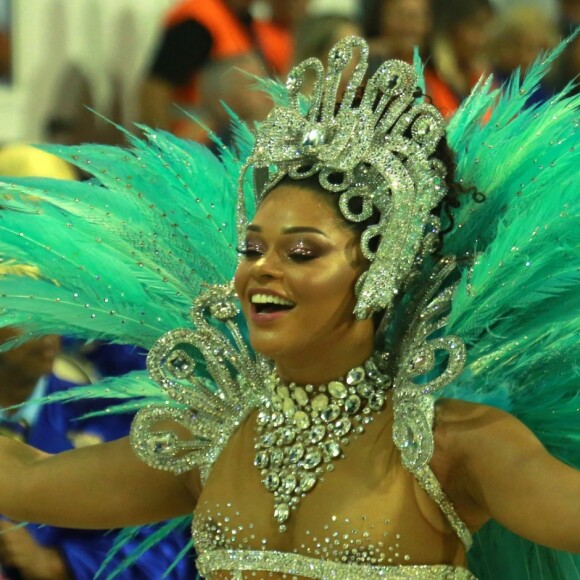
<point x="343" y="547"/>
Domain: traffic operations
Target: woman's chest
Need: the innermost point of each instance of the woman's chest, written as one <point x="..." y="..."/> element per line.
<point x="362" y="510"/>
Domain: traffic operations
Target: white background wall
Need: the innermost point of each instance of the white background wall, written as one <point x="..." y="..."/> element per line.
<point x="104" y="39"/>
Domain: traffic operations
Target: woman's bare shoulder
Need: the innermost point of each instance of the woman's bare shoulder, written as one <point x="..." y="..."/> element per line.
<point x="457" y="411"/>
<point x="462" y="427"/>
<point x="464" y="432"/>
<point x="456" y="417"/>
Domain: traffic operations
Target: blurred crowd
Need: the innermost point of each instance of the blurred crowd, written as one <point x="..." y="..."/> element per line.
<point x="209" y="52"/>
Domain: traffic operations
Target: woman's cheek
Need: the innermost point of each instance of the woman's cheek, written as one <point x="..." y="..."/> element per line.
<point x="240" y="279"/>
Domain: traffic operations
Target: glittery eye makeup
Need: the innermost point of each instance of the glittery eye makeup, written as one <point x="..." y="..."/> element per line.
<point x="251" y="248"/>
<point x="302" y="251"/>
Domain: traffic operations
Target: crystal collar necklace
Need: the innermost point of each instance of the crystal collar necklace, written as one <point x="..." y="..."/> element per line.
<point x="302" y="430"/>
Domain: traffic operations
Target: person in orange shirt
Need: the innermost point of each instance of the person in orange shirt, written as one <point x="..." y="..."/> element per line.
<point x="459" y="50"/>
<point x="206" y="55"/>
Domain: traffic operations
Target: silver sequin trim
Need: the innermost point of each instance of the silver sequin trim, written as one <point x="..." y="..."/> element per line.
<point x="239" y="561"/>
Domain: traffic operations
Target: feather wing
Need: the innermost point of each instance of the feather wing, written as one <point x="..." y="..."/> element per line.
<point x="517" y="306"/>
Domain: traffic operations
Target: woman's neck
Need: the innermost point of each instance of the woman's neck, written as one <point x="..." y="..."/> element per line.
<point x="322" y="365"/>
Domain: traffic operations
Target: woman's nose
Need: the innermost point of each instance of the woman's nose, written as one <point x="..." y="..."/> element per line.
<point x="268" y="265"/>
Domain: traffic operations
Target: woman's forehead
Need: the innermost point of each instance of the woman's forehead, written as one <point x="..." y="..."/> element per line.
<point x="296" y="206"/>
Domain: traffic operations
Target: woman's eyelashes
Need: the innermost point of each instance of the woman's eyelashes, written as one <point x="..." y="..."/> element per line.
<point x="297" y="251"/>
<point x="301" y="252"/>
<point x="250" y="250"/>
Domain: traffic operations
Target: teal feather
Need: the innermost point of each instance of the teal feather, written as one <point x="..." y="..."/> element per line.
<point x="517" y="307"/>
<point x="127" y="535"/>
<point x="134" y="268"/>
<point x="135" y="386"/>
<point x="511" y="154"/>
<point x="489" y="558"/>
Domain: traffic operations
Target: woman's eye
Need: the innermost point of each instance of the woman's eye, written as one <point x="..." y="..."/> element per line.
<point x="301" y="254"/>
<point x="249" y="250"/>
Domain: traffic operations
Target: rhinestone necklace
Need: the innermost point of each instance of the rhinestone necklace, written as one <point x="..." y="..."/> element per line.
<point x="302" y="430"/>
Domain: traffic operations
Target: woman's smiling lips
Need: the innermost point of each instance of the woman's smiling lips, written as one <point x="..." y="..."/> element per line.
<point x="267" y="305"/>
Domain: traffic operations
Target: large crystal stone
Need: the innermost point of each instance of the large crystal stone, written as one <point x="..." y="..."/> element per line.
<point x="313" y="459"/>
<point x="301" y="420"/>
<point x="161" y="442"/>
<point x="277" y="419"/>
<point x="296" y="453"/>
<point x="289" y="483"/>
<point x="331" y="413"/>
<point x="342" y="426"/>
<point x="282" y="512"/>
<point x="300" y="396"/>
<point x="332" y="449"/>
<point x="262" y="460"/>
<point x="287" y="436"/>
<point x="352" y="404"/>
<point x="355" y="376"/>
<point x="272" y="481"/>
<point x="364" y="390"/>
<point x="307" y="481"/>
<point x="268" y="439"/>
<point x="317" y="433"/>
<point x="276" y="457"/>
<point x="376" y="402"/>
<point x="337" y="389"/>
<point x="289" y="408"/>
<point x="313" y="137"/>
<point x="320" y="402"/>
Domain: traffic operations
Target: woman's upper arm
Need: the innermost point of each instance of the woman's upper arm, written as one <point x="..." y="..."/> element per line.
<point x="513" y="478"/>
<point x="100" y="486"/>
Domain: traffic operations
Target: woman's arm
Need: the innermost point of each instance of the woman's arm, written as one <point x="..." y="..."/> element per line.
<point x="101" y="486"/>
<point x="496" y="468"/>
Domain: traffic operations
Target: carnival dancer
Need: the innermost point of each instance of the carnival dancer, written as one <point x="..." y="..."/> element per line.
<point x="301" y="412"/>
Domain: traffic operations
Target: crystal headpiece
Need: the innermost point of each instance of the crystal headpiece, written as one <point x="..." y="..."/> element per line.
<point x="379" y="150"/>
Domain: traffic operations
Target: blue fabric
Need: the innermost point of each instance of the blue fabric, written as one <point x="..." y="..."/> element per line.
<point x="56" y="429"/>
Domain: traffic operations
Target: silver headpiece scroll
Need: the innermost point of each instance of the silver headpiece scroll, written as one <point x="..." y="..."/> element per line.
<point x="379" y="150"/>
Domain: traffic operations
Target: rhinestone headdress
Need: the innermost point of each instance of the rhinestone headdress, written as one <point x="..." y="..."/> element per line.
<point x="377" y="155"/>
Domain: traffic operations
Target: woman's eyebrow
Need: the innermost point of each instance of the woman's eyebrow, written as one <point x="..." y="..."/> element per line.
<point x="302" y="230"/>
<point x="290" y="230"/>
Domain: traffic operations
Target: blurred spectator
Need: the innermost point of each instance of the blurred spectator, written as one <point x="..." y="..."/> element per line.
<point x="396" y="27"/>
<point x="5" y="41"/>
<point x="48" y="552"/>
<point x="197" y="36"/>
<point x="276" y="32"/>
<point x="570" y="14"/>
<point x="519" y="35"/>
<point x="459" y="49"/>
<point x="229" y="81"/>
<point x="317" y="34"/>
<point x="569" y="64"/>
<point x="96" y="360"/>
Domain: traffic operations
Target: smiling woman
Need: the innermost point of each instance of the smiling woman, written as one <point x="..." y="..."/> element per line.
<point x="299" y="251"/>
<point x="301" y="411"/>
